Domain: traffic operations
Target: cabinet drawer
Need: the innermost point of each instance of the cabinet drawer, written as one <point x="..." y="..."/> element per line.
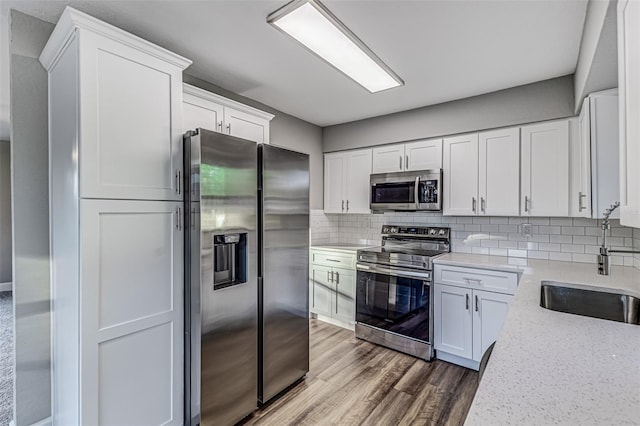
<point x="482" y="279"/>
<point x="331" y="258"/>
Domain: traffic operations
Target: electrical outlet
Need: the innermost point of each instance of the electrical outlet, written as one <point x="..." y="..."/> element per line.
<point x="525" y="229"/>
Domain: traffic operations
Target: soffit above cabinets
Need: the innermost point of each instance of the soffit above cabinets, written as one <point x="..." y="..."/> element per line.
<point x="443" y="50"/>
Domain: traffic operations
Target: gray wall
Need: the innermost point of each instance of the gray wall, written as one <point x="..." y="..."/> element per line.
<point x="29" y="145"/>
<point x="286" y="131"/>
<point x="539" y="101"/>
<point x="5" y="212"/>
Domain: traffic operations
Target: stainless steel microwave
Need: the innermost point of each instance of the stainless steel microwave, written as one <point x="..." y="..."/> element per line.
<point x="407" y="191"/>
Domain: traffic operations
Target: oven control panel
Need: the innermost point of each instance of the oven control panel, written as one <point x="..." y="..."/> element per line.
<point x="419" y="231"/>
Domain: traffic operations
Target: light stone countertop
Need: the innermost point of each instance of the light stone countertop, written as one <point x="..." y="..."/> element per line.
<point x="347" y="247"/>
<point x="555" y="368"/>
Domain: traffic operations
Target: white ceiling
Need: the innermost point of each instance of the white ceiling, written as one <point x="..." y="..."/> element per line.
<point x="443" y="50"/>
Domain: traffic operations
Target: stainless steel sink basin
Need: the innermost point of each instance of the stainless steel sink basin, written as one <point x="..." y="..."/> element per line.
<point x="590" y="303"/>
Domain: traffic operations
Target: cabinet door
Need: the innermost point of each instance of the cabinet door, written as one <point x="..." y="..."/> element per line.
<point x="489" y="313"/>
<point x="345" y="300"/>
<point x="357" y="182"/>
<point x="322" y="291"/>
<point x="629" y="101"/>
<point x="131" y="308"/>
<point x="453" y="320"/>
<point x="461" y="175"/>
<point x="387" y="159"/>
<point x="423" y="155"/>
<point x="335" y="165"/>
<point x="499" y="172"/>
<point x="580" y="179"/>
<point x="242" y="125"/>
<point x="131" y="123"/>
<point x="545" y="169"/>
<point x="198" y="112"/>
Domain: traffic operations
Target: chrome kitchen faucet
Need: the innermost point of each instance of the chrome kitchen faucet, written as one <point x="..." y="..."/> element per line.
<point x="604" y="266"/>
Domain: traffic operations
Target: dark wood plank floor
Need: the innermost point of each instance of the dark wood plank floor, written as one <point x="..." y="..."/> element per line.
<point x="353" y="382"/>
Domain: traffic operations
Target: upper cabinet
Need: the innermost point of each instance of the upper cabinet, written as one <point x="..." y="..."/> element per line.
<point x="629" y="102"/>
<point x="410" y="156"/>
<point x="129" y="112"/>
<point x="545" y="169"/>
<point x="346" y="181"/>
<point x="499" y="172"/>
<point x="482" y="173"/>
<point x="460" y="175"/>
<point x="214" y="112"/>
<point x="595" y="183"/>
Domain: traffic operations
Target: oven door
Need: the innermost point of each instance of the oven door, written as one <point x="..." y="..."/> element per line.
<point x="399" y="301"/>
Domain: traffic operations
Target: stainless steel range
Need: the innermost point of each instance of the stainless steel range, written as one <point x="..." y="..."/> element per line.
<point x="394" y="294"/>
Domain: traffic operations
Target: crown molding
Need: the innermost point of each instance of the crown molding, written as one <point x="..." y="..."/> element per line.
<point x="188" y="89"/>
<point x="73" y="19"/>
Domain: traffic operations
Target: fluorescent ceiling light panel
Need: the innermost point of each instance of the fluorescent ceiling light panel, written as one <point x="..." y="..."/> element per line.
<point x="311" y="23"/>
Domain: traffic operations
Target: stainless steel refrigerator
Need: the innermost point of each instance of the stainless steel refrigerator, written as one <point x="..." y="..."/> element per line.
<point x="247" y="275"/>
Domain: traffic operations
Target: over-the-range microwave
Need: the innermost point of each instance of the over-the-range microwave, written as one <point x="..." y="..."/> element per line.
<point x="407" y="191"/>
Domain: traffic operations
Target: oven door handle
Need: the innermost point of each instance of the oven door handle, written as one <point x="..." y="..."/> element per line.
<point x="394" y="272"/>
<point x="416" y="192"/>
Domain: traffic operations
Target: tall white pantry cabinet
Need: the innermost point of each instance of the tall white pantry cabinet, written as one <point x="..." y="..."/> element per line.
<point x="115" y="159"/>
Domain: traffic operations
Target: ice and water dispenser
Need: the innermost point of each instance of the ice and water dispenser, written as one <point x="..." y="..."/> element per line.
<point x="230" y="260"/>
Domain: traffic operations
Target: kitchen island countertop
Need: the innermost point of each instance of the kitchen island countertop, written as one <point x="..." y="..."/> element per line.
<point x="550" y="367"/>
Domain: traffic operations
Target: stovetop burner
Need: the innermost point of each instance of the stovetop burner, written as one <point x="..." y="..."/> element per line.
<point x="408" y="246"/>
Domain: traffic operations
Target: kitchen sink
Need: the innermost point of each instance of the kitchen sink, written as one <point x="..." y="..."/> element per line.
<point x="557" y="296"/>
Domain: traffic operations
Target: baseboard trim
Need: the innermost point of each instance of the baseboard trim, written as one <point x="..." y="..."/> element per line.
<point x="458" y="360"/>
<point x="333" y="321"/>
<point x="6" y="286"/>
<point x="44" y="422"/>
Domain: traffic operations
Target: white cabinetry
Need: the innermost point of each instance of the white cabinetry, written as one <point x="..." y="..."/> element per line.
<point x="499" y="172"/>
<point x="545" y="169"/>
<point x="346" y="181"/>
<point x="629" y="102"/>
<point x="482" y="173"/>
<point x="115" y="157"/>
<point x="595" y="157"/>
<point x="332" y="286"/>
<point x="460" y="174"/>
<point x="388" y="159"/>
<point x="470" y="306"/>
<point x="410" y="156"/>
<point x="219" y="114"/>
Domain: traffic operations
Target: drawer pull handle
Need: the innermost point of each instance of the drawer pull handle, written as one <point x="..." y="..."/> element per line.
<point x="332" y="260"/>
<point x="474" y="280"/>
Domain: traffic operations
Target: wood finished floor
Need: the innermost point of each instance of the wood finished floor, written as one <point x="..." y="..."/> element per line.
<point x="353" y="382"/>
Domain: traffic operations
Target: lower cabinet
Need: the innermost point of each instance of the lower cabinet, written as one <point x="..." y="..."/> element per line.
<point x="332" y="292"/>
<point x="468" y="319"/>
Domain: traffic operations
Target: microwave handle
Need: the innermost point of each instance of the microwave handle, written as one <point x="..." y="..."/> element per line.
<point x="416" y="193"/>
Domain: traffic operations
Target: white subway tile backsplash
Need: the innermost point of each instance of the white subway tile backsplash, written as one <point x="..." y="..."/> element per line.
<point x="517" y="253"/>
<point x="560" y="221"/>
<point x="549" y="230"/>
<point x="572" y="230"/>
<point x="563" y="239"/>
<point x="578" y="239"/>
<point x="565" y="257"/>
<point x="560" y="238"/>
<point x="533" y="254"/>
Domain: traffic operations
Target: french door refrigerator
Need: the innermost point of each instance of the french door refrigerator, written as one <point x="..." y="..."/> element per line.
<point x="246" y="283"/>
